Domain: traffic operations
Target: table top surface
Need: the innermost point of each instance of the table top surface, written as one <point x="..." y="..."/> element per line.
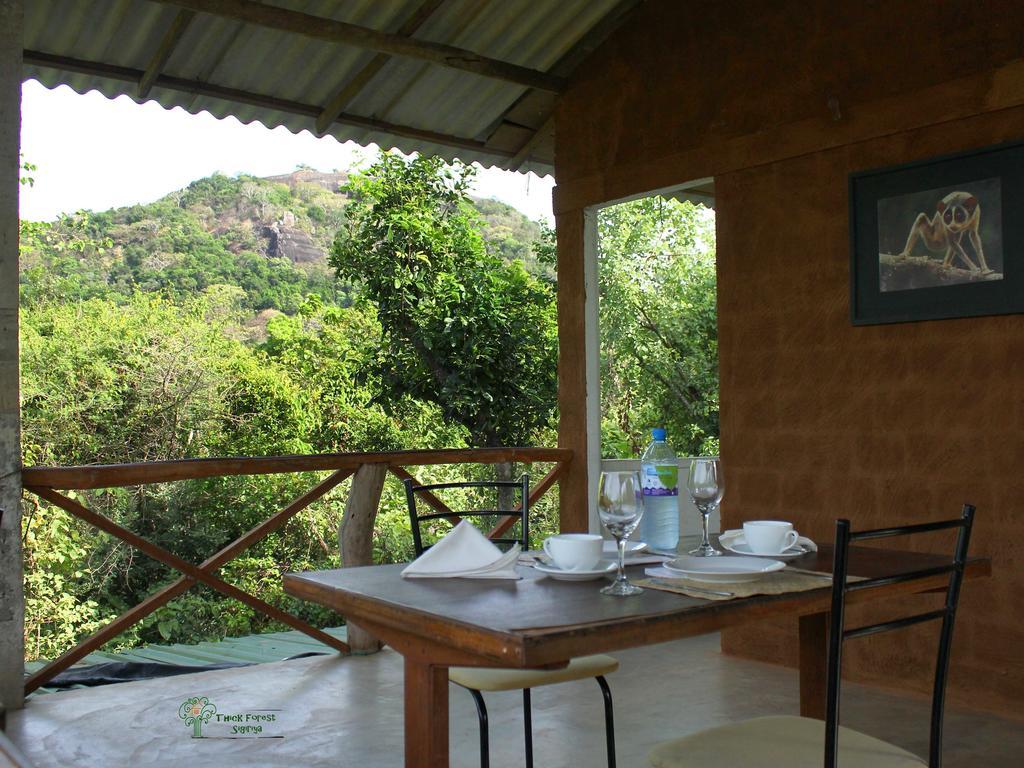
<point x="511" y="619"/>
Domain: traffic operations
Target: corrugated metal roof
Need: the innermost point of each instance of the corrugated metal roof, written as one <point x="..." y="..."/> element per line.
<point x="308" y="72"/>
<point x="256" y="649"/>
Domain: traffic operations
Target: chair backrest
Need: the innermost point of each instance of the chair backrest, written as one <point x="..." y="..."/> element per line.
<point x="838" y="632"/>
<point x="522" y="511"/>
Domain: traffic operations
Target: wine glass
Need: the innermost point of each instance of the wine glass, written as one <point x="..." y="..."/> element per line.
<point x="706" y="489"/>
<point x="620" y="503"/>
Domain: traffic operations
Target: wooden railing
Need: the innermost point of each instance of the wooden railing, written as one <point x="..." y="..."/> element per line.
<point x="356" y="529"/>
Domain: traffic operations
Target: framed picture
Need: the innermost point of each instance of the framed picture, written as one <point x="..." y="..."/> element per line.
<point x="938" y="239"/>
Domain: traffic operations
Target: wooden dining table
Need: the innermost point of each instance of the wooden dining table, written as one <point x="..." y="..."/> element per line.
<point x="538" y="622"/>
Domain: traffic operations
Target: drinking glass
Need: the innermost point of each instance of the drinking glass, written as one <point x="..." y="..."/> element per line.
<point x="706" y="489"/>
<point x="620" y="503"/>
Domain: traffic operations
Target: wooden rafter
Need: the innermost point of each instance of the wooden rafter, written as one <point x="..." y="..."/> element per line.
<point x="523" y="153"/>
<point x="352" y="88"/>
<point x="160" y="57"/>
<point x="286" y="20"/>
<point x="194" y="87"/>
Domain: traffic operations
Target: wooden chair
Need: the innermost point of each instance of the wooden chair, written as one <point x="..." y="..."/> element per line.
<point x="800" y="742"/>
<point x="479" y="679"/>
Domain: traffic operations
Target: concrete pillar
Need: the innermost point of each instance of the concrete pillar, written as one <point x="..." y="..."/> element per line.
<point x="12" y="608"/>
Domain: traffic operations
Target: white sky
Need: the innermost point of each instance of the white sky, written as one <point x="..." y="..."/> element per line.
<point x="97" y="153"/>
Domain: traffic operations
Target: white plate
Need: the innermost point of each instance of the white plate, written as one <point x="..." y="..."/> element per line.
<point x="557" y="573"/>
<point x="723" y="569"/>
<point x="737" y="543"/>
<point x="632" y="547"/>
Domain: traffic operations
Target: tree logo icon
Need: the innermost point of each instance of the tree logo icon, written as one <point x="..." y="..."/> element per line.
<point x="196" y="711"/>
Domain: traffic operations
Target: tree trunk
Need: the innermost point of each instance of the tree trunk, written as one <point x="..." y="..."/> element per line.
<point x="355" y="537"/>
<point x="505" y="470"/>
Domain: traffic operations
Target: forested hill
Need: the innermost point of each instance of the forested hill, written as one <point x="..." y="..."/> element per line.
<point x="267" y="237"/>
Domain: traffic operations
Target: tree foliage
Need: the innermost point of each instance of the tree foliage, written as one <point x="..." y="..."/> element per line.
<point x="460" y="328"/>
<point x="138" y="344"/>
<point x="659" y="342"/>
<point x="217" y="230"/>
<point x="148" y="379"/>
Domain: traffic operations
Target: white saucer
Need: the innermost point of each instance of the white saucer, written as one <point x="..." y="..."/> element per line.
<point x="632" y="547"/>
<point x="557" y="573"/>
<point x="737" y="543"/>
<point x="723" y="569"/>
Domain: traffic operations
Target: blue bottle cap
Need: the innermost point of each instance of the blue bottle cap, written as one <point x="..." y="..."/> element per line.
<point x="658" y="433"/>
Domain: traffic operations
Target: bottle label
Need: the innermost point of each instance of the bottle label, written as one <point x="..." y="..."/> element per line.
<point x="660" y="480"/>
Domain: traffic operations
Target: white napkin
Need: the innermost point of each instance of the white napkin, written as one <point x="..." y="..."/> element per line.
<point x="737" y="534"/>
<point x="464" y="553"/>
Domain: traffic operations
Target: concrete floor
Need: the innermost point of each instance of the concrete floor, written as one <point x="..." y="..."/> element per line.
<point x="342" y="712"/>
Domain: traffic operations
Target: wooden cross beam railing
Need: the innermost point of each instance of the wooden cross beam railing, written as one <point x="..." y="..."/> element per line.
<point x="355" y="534"/>
<point x="192" y="575"/>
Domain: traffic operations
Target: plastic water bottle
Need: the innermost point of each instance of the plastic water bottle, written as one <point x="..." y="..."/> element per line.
<point x="659" y="476"/>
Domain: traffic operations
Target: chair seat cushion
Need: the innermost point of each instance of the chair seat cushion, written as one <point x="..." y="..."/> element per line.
<point x="777" y="742"/>
<point x="491" y="679"/>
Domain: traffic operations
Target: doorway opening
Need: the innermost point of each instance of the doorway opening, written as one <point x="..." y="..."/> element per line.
<point x="655" y="330"/>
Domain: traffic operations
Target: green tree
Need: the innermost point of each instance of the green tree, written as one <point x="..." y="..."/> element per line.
<point x="25" y="169"/>
<point x="144" y="378"/>
<point x="659" y="343"/>
<point x="460" y="328"/>
<point x="139" y="343"/>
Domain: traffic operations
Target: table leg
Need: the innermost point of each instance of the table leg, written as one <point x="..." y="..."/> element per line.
<point x="813" y="664"/>
<point x="426" y="715"/>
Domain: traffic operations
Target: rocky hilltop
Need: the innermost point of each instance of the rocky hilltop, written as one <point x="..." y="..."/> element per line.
<point x="505" y="229"/>
<point x="331" y="181"/>
<point x="267" y="238"/>
<point x="285" y="240"/>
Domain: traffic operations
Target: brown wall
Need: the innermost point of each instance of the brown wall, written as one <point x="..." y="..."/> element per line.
<point x="780" y="101"/>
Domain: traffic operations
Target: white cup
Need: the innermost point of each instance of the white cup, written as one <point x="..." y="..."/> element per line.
<point x="574" y="551"/>
<point x="769" y="537"/>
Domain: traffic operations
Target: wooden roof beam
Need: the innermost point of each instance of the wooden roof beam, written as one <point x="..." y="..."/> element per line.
<point x="524" y="152"/>
<point x="197" y="88"/>
<point x="352" y="88"/>
<point x="331" y="30"/>
<point x="163" y="53"/>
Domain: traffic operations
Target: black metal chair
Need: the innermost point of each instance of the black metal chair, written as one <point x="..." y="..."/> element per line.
<point x="801" y="742"/>
<point x="479" y="679"/>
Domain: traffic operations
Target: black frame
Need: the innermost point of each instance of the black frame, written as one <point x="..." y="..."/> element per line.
<point x="523" y="484"/>
<point x="838" y="633"/>
<point x="869" y="305"/>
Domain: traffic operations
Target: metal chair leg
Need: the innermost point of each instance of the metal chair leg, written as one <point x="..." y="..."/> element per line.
<point x="609" y="720"/>
<point x="481" y="713"/>
<point x="528" y="725"/>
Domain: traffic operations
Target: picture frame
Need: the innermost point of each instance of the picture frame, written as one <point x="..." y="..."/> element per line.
<point x="938" y="239"/>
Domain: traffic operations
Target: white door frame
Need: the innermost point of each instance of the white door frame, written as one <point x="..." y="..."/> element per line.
<point x="592" y="336"/>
